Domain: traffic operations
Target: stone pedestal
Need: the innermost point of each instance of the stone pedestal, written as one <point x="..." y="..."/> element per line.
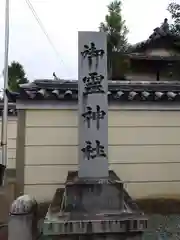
<point x="94" y="208"/>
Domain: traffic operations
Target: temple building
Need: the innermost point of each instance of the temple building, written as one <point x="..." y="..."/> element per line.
<point x="155" y="59"/>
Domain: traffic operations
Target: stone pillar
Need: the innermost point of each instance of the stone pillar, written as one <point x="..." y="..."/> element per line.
<point x="93" y="105"/>
<point x="22" y="220"/>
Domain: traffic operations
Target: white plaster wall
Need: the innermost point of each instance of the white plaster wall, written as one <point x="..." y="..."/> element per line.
<point x="144" y="150"/>
<point x="11" y="140"/>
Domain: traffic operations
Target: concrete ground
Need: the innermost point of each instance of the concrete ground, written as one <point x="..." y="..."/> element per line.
<point x="3" y="233"/>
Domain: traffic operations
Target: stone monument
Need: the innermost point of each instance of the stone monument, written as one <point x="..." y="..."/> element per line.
<point x="93" y="106"/>
<point x="94" y="204"/>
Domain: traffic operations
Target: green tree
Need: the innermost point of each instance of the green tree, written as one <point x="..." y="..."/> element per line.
<point x="17" y="76"/>
<point x="116" y="30"/>
<point x="174" y="10"/>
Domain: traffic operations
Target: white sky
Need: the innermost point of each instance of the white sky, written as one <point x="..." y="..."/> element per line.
<point x="62" y="19"/>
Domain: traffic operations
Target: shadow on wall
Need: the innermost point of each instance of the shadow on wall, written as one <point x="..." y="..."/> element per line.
<point x="163" y="206"/>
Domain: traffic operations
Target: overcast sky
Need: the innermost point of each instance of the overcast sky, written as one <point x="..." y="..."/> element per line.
<point x="62" y="19"/>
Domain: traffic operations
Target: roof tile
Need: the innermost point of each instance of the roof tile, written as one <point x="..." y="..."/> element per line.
<point x="117" y="91"/>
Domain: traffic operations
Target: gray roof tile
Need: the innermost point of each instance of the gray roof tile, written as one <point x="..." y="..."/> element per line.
<point x="119" y="91"/>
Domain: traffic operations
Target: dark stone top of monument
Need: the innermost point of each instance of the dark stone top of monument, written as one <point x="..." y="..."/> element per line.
<point x="118" y="91"/>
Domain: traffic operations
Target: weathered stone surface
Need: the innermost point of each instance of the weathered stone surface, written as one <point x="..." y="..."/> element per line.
<point x="93" y="105"/>
<point x="22" y="223"/>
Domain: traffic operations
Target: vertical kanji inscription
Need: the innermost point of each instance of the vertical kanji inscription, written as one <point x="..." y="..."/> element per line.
<point x="91" y="115"/>
<point x="90" y="51"/>
<point x="93" y="105"/>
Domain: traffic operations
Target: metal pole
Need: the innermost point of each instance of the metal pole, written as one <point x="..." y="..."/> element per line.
<point x="5" y="110"/>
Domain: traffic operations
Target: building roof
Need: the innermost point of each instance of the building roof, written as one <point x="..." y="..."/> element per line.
<point x="162" y="37"/>
<point x="118" y="91"/>
<point x="142" y="56"/>
<point x="11" y="108"/>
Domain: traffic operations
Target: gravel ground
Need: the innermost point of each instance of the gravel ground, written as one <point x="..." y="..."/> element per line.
<point x="163" y="228"/>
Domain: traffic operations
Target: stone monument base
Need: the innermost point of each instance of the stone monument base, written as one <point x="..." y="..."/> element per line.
<point x="93" y="208"/>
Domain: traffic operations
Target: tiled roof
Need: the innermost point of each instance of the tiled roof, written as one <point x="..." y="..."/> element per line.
<point x="11" y="109"/>
<point x="11" y="112"/>
<point x="119" y="91"/>
<point x="160" y="36"/>
<point x="149" y="57"/>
